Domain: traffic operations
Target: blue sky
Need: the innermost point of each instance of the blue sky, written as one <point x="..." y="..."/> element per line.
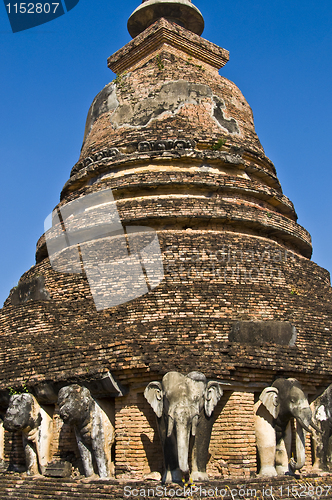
<point x="280" y="57"/>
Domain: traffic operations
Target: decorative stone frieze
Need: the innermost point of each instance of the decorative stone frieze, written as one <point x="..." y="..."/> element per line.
<point x="161" y="145"/>
<point x="100" y="155"/>
<point x="143" y="146"/>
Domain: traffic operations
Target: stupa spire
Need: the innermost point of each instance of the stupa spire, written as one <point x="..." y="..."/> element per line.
<point x="182" y="12"/>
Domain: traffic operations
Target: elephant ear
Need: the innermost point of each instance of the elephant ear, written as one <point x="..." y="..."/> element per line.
<point x="213" y="393"/>
<point x="269" y="398"/>
<point x="154" y="395"/>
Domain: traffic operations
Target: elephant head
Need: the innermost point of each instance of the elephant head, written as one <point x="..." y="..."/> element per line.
<point x="22" y="413"/>
<point x="183" y="400"/>
<point x="285" y="400"/>
<point x="75" y="404"/>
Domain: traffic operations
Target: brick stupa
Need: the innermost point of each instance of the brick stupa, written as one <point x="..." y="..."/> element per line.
<point x="240" y="300"/>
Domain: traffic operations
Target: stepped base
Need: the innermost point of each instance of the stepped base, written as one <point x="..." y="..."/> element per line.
<point x="305" y="486"/>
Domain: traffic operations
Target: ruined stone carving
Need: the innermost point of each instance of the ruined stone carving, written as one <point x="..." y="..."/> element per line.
<point x="168" y="99"/>
<point x="100" y="155"/>
<point x="93" y="429"/>
<point x="165" y="145"/>
<point x="184" y="405"/>
<point x="322" y="441"/>
<point x="276" y="407"/>
<point x="26" y="415"/>
<point x="158" y="145"/>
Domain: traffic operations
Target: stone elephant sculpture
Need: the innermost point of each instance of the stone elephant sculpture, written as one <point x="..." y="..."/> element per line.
<point x="93" y="429"/>
<point x="276" y="407"/>
<point x="36" y="424"/>
<point x="322" y="441"/>
<point x="184" y="406"/>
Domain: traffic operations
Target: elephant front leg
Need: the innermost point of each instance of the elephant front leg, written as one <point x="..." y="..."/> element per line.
<point x="200" y="449"/>
<point x="30" y="457"/>
<point x="98" y="444"/>
<point x="172" y="473"/>
<point x="283" y="452"/>
<point x="265" y="441"/>
<point x="86" y="455"/>
<point x="172" y="476"/>
<point x="320" y="445"/>
<point x="102" y="461"/>
<point x="198" y="472"/>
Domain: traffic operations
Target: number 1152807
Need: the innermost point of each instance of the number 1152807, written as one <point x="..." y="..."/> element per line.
<point x="305" y="490"/>
<point x="32" y="8"/>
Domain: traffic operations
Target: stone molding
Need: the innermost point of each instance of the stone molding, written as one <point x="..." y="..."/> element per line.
<point x="102" y="384"/>
<point x="161" y="33"/>
<point x="86" y="168"/>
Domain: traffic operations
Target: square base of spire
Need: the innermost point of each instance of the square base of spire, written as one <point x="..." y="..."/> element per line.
<point x="165" y="33"/>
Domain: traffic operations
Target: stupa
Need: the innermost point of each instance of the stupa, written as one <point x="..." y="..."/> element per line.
<point x="208" y="270"/>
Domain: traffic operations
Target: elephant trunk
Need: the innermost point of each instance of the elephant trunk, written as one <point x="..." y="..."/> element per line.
<point x="183" y="436"/>
<point x="170" y="425"/>
<point x="300" y="448"/>
<point x="303" y="422"/>
<point x="10" y="425"/>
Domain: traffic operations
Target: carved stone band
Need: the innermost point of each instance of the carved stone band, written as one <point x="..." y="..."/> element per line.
<point x="158" y="145"/>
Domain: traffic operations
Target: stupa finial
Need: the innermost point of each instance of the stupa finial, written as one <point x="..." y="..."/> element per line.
<point x="182" y="12"/>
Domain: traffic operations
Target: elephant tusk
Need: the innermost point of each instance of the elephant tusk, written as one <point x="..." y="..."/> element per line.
<point x="314" y="426"/>
<point x="170" y="426"/>
<point x="306" y="427"/>
<point x="194" y="425"/>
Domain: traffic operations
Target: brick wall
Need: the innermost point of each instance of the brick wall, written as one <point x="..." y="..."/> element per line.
<point x="232" y="445"/>
<point x="138" y="448"/>
<point x="212" y="279"/>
